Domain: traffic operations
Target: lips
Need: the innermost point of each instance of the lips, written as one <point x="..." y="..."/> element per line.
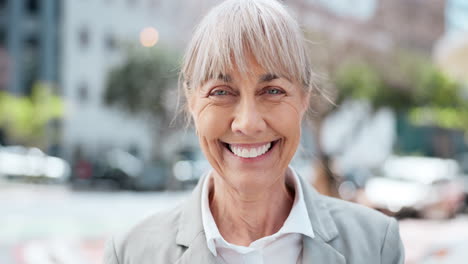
<point x="250" y="150"/>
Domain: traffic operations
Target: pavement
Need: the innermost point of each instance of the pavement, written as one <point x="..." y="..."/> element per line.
<point x="435" y="241"/>
<point x="50" y="224"/>
<point x="42" y="224"/>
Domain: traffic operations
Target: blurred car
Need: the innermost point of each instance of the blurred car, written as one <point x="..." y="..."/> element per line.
<point x="32" y="163"/>
<point x="119" y="169"/>
<point x="188" y="167"/>
<point x="417" y="186"/>
<point x="463" y="161"/>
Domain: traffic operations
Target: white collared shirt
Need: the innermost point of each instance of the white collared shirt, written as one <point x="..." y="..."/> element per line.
<point x="283" y="247"/>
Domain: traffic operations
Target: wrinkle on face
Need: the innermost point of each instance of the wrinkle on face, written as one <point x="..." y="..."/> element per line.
<point x="282" y="117"/>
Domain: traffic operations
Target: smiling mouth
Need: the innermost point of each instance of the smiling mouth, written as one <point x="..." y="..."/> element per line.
<point x="250" y="152"/>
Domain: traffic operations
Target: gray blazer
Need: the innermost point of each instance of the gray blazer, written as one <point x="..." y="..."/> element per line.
<point x="344" y="233"/>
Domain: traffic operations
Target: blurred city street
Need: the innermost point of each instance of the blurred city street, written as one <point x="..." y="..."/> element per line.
<point x="93" y="136"/>
<point x="45" y="224"/>
<point x="42" y="224"/>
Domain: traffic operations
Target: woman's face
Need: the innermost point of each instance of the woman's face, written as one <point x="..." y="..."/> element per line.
<point x="249" y="126"/>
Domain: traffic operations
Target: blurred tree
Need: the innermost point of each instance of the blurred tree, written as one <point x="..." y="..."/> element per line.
<point x="408" y="84"/>
<point x="25" y="119"/>
<point x="142" y="85"/>
<point x="439" y="101"/>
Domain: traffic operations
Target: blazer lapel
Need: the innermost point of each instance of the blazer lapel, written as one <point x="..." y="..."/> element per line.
<point x="197" y="252"/>
<point x="190" y="233"/>
<point x="318" y="249"/>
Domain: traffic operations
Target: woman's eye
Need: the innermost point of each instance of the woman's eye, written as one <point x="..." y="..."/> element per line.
<point x="219" y="93"/>
<point x="274" y="91"/>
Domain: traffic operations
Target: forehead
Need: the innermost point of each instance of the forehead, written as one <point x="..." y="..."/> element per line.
<point x="252" y="70"/>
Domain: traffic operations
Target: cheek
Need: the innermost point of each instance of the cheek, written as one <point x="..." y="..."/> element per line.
<point x="286" y="120"/>
<point x="211" y="122"/>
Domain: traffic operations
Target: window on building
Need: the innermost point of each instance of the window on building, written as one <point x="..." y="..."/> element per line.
<point x="110" y="42"/>
<point x="2" y="37"/>
<point x="3" y="68"/>
<point x="3" y="4"/>
<point x="83" y="37"/>
<point x="134" y="150"/>
<point x="30" y="65"/>
<point x="83" y="92"/>
<point x="32" y="41"/>
<point x="32" y="6"/>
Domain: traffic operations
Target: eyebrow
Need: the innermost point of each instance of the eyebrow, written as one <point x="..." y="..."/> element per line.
<point x="267" y="77"/>
<point x="225" y="77"/>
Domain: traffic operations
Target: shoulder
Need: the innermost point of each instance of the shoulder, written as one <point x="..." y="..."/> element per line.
<point x="346" y="213"/>
<point x="138" y="244"/>
<point x="157" y="227"/>
<point x="365" y="232"/>
<point x="357" y="221"/>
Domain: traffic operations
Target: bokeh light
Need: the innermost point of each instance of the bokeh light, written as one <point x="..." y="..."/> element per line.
<point x="149" y="36"/>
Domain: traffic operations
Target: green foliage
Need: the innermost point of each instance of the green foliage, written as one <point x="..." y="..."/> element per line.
<point x="433" y="88"/>
<point x="140" y="83"/>
<point x="25" y="118"/>
<point x="421" y="91"/>
<point x="444" y="117"/>
<point x="439" y="101"/>
<point x="358" y="81"/>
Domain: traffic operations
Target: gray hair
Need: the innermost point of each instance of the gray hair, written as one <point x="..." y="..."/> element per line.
<point x="235" y="29"/>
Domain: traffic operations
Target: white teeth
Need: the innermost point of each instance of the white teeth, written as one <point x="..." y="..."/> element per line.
<point x="253" y="153"/>
<point x="245" y="153"/>
<point x="250" y="152"/>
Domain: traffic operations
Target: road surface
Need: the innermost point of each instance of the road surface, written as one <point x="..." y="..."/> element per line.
<point x="45" y="224"/>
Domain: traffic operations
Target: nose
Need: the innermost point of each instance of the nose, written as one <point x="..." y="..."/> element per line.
<point x="248" y="120"/>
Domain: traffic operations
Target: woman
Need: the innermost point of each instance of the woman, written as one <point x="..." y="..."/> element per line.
<point x="247" y="81"/>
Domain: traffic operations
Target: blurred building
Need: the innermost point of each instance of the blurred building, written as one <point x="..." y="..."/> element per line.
<point x="28" y="43"/>
<point x="378" y="25"/>
<point x="76" y="43"/>
<point x="94" y="36"/>
<point x="414" y="24"/>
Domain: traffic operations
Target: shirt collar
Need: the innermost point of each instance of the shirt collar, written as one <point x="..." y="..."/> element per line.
<point x="297" y="222"/>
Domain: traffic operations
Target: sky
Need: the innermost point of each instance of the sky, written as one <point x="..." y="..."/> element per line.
<point x="457" y="15"/>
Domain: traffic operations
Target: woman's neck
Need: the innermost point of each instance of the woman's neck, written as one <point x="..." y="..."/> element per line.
<point x="243" y="218"/>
